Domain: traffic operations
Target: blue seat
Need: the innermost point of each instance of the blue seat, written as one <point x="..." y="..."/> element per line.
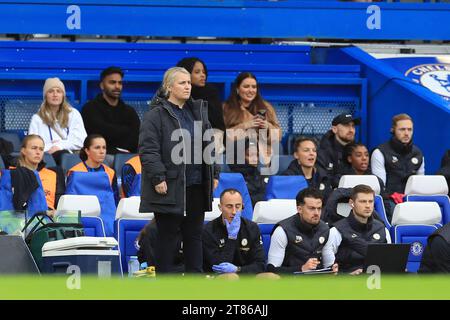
<point x="417" y="236"/>
<point x="434" y="188"/>
<point x="93" y="227"/>
<point x="266" y="231"/>
<point x="89" y="205"/>
<point x="285" y="187"/>
<point x="95" y="183"/>
<point x="13" y="138"/>
<point x="49" y="160"/>
<point x="283" y="163"/>
<point x="236" y="181"/>
<point x="442" y="200"/>
<point x="379" y="207"/>
<point x="127" y="230"/>
<point x="412" y="223"/>
<point x="36" y="202"/>
<point x="119" y="161"/>
<point x="129" y="222"/>
<point x="68" y="160"/>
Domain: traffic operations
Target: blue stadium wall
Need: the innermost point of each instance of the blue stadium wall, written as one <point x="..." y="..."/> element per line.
<point x="306" y="96"/>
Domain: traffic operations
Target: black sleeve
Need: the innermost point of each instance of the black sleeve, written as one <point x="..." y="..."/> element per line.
<point x="150" y="138"/>
<point x="440" y="251"/>
<point x="281" y="269"/>
<point x="115" y="189"/>
<point x="213" y="254"/>
<point x="215" y="111"/>
<point x="146" y="251"/>
<point x="60" y="184"/>
<point x="257" y="253"/>
<point x="133" y="130"/>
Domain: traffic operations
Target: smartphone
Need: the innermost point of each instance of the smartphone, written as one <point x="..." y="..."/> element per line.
<point x="262" y="113"/>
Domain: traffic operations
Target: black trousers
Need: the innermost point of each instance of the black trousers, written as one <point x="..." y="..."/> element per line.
<point x="190" y="226"/>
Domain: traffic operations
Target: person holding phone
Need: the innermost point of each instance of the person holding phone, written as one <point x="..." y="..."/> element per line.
<point x="231" y="243"/>
<point x="247" y="114"/>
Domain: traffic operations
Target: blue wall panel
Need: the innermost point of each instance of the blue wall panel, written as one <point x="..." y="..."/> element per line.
<point x="302" y="93"/>
<point x="227" y="19"/>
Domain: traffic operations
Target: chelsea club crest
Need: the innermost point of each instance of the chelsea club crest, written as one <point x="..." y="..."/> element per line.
<point x="416" y="248"/>
<point x="435" y="77"/>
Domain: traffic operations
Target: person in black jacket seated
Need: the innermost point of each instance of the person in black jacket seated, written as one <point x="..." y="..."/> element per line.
<point x="208" y="92"/>
<point x="397" y="159"/>
<point x="349" y="237"/>
<point x="296" y="243"/>
<point x="146" y="243"/>
<point x="6" y="148"/>
<point x="305" y="165"/>
<point x="231" y="243"/>
<point x="357" y="158"/>
<point x="445" y="168"/>
<point x="331" y="150"/>
<point x="436" y="257"/>
<point x="256" y="183"/>
<point x="110" y="117"/>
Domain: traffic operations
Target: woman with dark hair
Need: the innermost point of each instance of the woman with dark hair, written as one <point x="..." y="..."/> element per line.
<point x="203" y="90"/>
<point x="356" y="161"/>
<point x="246" y="110"/>
<point x="92" y="157"/>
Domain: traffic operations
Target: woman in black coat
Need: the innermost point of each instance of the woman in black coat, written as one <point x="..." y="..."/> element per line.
<point x="177" y="184"/>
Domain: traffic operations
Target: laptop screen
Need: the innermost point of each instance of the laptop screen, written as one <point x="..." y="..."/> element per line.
<point x="390" y="258"/>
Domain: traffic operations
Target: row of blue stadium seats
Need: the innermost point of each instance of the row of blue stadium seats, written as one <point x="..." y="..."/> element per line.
<point x="412" y="227"/>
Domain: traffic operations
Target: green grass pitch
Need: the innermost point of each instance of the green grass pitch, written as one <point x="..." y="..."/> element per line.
<point x="311" y="287"/>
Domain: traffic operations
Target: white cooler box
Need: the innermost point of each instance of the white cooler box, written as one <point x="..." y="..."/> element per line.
<point x="92" y="255"/>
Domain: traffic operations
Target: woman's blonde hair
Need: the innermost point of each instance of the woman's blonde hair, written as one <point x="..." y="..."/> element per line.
<point x="22" y="161"/>
<point x="169" y="78"/>
<point x="62" y="116"/>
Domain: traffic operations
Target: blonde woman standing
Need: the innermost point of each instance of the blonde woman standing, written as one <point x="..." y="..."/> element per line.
<point x="57" y="122"/>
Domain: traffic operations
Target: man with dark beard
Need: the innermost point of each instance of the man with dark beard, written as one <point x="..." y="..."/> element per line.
<point x="331" y="150"/>
<point x="110" y="117"/>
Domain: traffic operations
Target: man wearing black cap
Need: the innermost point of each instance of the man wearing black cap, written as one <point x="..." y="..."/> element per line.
<point x="331" y="150"/>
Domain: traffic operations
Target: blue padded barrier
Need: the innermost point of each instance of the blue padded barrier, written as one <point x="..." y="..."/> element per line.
<point x="442" y="200"/>
<point x="417" y="236"/>
<point x="93" y="227"/>
<point x="236" y="181"/>
<point x="126" y="232"/>
<point x="285" y="187"/>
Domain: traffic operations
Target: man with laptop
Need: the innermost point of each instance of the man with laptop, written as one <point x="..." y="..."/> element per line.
<point x="350" y="237"/>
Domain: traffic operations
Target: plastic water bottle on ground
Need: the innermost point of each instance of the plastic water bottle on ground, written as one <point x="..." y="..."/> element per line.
<point x="133" y="266"/>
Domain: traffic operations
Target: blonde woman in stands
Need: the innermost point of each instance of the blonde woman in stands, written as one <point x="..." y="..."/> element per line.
<point x="246" y="113"/>
<point x="57" y="122"/>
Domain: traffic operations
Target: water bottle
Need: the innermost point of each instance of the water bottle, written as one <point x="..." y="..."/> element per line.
<point x="133" y="265"/>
